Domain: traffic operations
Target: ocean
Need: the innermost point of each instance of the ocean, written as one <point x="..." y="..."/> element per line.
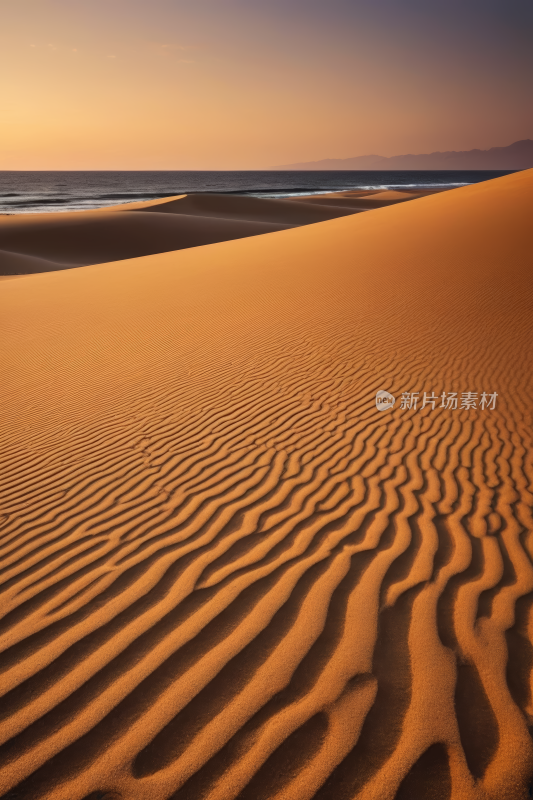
<point x="32" y="192"/>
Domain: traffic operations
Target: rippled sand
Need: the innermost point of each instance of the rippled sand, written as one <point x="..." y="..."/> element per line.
<point x="225" y="574"/>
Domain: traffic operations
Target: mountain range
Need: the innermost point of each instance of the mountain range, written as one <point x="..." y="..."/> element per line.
<point x="516" y="156"/>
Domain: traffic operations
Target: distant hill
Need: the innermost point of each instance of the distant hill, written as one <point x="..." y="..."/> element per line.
<point x="516" y="156"/>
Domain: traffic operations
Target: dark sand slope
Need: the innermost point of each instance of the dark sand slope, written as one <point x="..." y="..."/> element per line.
<point x="226" y="575"/>
<point x="83" y="239"/>
<point x="365" y="200"/>
<point x="75" y="239"/>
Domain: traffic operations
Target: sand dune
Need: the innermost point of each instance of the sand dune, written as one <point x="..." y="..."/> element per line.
<point x="367" y="200"/>
<point x="79" y="241"/>
<point x="224" y="574"/>
<point x="31" y="243"/>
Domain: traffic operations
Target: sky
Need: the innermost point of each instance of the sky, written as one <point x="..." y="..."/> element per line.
<point x="249" y="84"/>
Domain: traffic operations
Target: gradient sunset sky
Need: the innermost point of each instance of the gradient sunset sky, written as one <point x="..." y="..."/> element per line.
<point x="248" y="84"/>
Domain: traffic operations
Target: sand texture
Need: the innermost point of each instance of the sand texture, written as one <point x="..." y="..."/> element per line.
<point x="225" y="575"/>
<point x="31" y="243"/>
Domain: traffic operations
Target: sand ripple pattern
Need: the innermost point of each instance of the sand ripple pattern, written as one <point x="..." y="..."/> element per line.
<point x="276" y="591"/>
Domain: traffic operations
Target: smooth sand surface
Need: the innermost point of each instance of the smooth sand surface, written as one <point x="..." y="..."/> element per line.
<point x="366" y="200"/>
<point x="224" y="573"/>
<point x="31" y="243"/>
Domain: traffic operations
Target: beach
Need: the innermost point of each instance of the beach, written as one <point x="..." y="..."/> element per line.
<point x="225" y="574"/>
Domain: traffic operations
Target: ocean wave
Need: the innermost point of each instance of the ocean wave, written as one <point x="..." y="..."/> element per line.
<point x="27" y="192"/>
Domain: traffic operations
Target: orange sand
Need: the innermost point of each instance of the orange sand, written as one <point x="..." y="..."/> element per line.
<point x="224" y="573"/>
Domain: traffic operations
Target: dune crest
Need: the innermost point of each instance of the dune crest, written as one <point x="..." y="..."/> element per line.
<point x="31" y="243"/>
<point x="224" y="573"/>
